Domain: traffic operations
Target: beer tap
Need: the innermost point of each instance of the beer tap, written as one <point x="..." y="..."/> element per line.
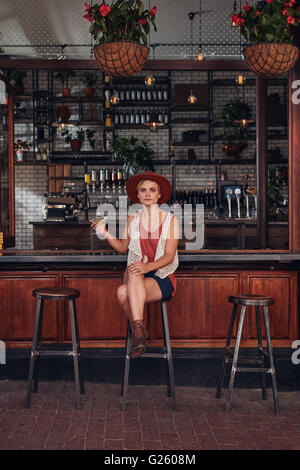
<point x="237" y="192"/>
<point x="228" y="195"/>
<point x="247" y="205"/>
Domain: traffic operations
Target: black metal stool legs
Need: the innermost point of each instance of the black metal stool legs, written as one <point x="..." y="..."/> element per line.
<point x="265" y="360"/>
<point x="170" y="370"/>
<point x="166" y="354"/>
<point x="124" y="391"/>
<point x="38" y="349"/>
<point x="33" y="367"/>
<point x="235" y="358"/>
<point x="261" y="352"/>
<point x="76" y="353"/>
<point x="228" y="341"/>
<point x="271" y="359"/>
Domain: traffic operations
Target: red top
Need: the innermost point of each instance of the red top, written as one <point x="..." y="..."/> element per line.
<point x="148" y="242"/>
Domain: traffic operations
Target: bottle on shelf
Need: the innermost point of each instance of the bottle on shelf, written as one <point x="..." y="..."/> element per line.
<point x="87" y="179"/>
<point x="120" y="177"/>
<point x="93" y="179"/>
<point x="107" y="99"/>
<point x="107" y="179"/>
<point x="114" y="178"/>
<point x="108" y="121"/>
<point x="44" y="155"/>
<point x="102" y="179"/>
<point x="39" y="155"/>
<point x="165" y="93"/>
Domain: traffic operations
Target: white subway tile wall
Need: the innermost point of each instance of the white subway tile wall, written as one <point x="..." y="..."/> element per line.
<point x="31" y="180"/>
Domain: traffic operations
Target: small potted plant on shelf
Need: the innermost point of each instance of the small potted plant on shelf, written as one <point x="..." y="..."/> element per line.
<point x="77" y="137"/>
<point x="235" y="116"/>
<point x="64" y="76"/>
<point x="266" y="26"/>
<point x="21" y="146"/>
<point x="120" y="31"/>
<point x="18" y="77"/>
<point x="133" y="154"/>
<point x="89" y="79"/>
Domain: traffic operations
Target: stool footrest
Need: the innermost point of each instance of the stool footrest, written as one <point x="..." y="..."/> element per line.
<point x="45" y="352"/>
<point x="253" y="369"/>
<point x="158" y="355"/>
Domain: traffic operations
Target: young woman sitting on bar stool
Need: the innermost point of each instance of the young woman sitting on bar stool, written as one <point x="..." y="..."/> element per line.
<point x="151" y="238"/>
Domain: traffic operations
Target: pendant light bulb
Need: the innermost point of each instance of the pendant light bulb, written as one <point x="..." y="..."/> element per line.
<point x="149" y="80"/>
<point x="240" y="79"/>
<point x="114" y="99"/>
<point x="200" y="56"/>
<point x="192" y="98"/>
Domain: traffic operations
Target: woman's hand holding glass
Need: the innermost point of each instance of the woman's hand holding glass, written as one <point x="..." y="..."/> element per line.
<point x="99" y="225"/>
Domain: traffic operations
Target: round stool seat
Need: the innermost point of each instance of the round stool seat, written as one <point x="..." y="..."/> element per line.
<point x="56" y="293"/>
<point x="251" y="299"/>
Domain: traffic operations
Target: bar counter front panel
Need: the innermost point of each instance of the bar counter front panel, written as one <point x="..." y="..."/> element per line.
<point x="199" y="313"/>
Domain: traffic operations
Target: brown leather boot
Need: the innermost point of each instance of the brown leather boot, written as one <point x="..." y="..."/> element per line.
<point x="139" y="338"/>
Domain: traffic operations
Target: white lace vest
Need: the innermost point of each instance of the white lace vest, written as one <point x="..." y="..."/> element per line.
<point x="134" y="248"/>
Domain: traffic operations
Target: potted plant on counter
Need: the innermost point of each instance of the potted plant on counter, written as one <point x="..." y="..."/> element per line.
<point x="64" y="76"/>
<point x="21" y="146"/>
<point x="120" y="31"/>
<point x="133" y="154"/>
<point x="266" y="26"/>
<point x="77" y="137"/>
<point x="89" y="79"/>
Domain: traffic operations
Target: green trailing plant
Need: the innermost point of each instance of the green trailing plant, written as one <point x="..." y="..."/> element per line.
<point x="122" y="20"/>
<point x="133" y="154"/>
<point x="231" y="131"/>
<point x="89" y="78"/>
<point x="268" y="21"/>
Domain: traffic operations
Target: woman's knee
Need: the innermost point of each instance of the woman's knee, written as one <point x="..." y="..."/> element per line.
<point x="122" y="294"/>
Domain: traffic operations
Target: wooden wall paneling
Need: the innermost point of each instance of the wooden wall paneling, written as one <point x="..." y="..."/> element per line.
<point x="200" y="309"/>
<point x="100" y="317"/>
<point x="18" y="308"/>
<point x="282" y="286"/>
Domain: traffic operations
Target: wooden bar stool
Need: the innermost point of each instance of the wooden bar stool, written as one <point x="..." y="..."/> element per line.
<point x="266" y="360"/>
<point x="165" y="353"/>
<point x="54" y="293"/>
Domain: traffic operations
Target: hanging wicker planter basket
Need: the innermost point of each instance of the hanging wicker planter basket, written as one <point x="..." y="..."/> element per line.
<point x="269" y="60"/>
<point x="121" y="59"/>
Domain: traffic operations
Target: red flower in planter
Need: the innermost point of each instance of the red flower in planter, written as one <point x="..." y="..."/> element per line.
<point x="246" y="7"/>
<point x="142" y="21"/>
<point x="153" y="11"/>
<point x="290" y="20"/>
<point x="104" y="9"/>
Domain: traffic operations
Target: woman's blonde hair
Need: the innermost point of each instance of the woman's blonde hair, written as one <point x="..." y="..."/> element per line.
<point x="144" y="181"/>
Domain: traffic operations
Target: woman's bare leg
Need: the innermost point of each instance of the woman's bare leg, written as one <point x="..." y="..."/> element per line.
<point x="137" y="295"/>
<point x="131" y="301"/>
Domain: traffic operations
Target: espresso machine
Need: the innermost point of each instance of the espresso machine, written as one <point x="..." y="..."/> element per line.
<point x="61" y="208"/>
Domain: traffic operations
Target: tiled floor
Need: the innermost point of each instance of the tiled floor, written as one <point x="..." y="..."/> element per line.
<point x="200" y="422"/>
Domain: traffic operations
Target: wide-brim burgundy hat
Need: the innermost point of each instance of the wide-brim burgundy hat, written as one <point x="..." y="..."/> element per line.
<point x="162" y="181"/>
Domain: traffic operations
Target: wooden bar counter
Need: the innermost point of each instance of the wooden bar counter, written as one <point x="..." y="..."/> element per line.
<point x="198" y="314"/>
